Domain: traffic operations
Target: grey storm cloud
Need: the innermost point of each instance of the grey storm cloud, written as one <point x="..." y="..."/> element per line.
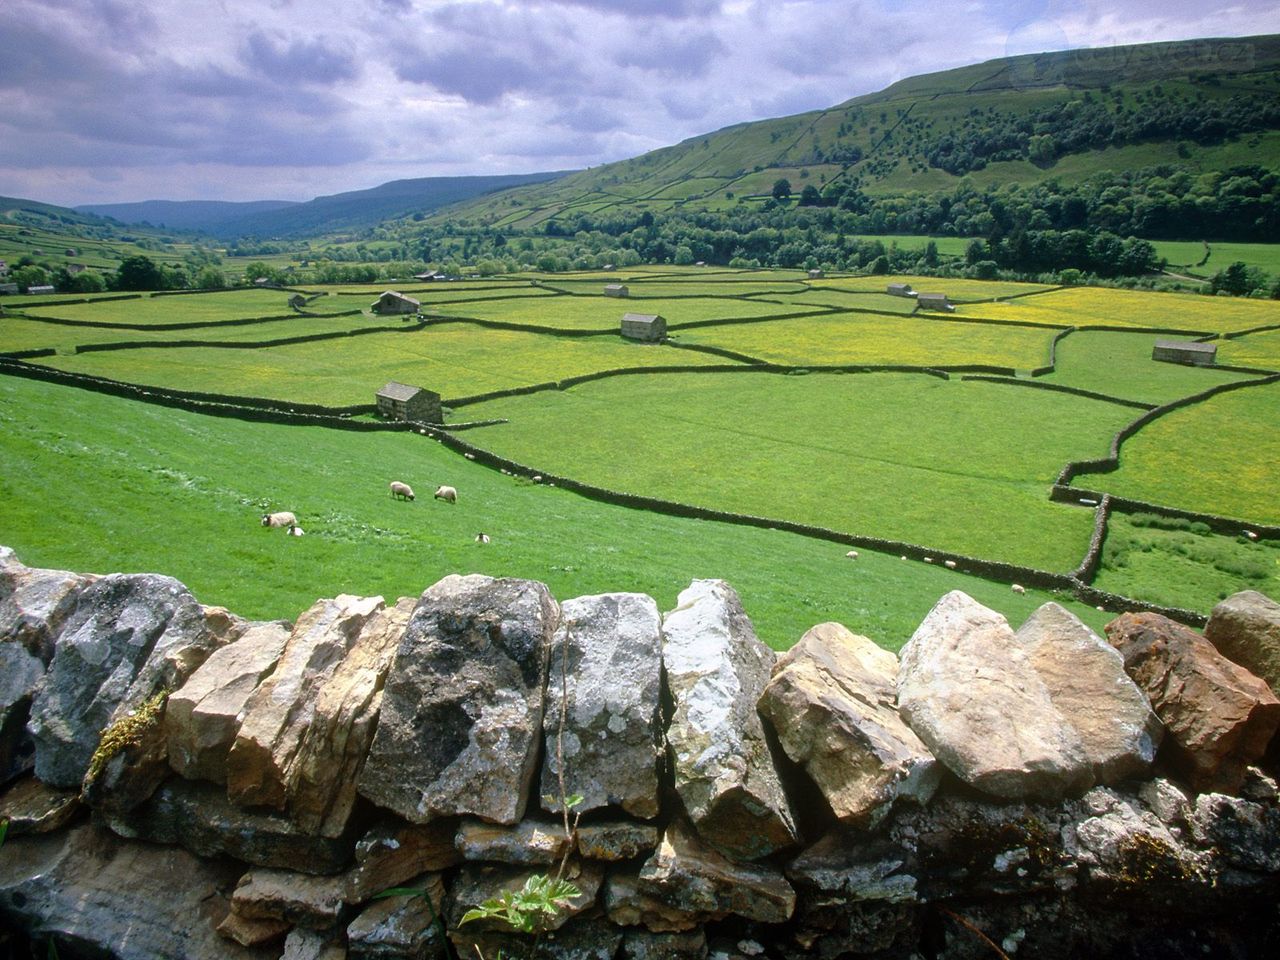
<point x="302" y="61"/>
<point x="673" y="53"/>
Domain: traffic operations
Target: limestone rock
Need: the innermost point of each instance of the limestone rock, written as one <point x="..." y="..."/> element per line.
<point x="129" y="637"/>
<point x="304" y="944"/>
<point x="250" y="932"/>
<point x="528" y="842"/>
<point x="298" y="899"/>
<point x="393" y="851"/>
<point x="833" y="704"/>
<point x="34" y="807"/>
<point x="586" y="938"/>
<point x="1219" y="717"/>
<point x="627" y="905"/>
<point x="607" y="655"/>
<point x="129" y="901"/>
<point x="1123" y="844"/>
<point x="1245" y="628"/>
<point x="716" y="670"/>
<point x="400" y="927"/>
<point x="20" y="675"/>
<point x="35" y="603"/>
<point x="199" y="817"/>
<point x="202" y="718"/>
<point x="1246" y="834"/>
<point x="279" y="713"/>
<point x="688" y="874"/>
<point x="1087" y="683"/>
<point x="846" y="866"/>
<point x="612" y="840"/>
<point x="461" y="720"/>
<point x="645" y="945"/>
<point x="970" y="692"/>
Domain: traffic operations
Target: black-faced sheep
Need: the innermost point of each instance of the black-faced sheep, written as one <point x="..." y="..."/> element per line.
<point x="401" y="491"/>
<point x="446" y="493"/>
<point x="295" y="531"/>
<point x="282" y="519"/>
<point x="482" y="538"/>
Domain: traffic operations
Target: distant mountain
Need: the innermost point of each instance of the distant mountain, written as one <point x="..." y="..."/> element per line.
<point x="355" y="210"/>
<point x="1203" y="106"/>
<point x="184" y="214"/>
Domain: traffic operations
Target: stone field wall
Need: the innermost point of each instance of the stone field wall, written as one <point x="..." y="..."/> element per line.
<point x="178" y="782"/>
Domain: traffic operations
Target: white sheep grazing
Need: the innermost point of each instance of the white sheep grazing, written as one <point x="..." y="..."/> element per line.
<point x="401" y="490"/>
<point x="482" y="538"/>
<point x="281" y="519"/>
<point x="295" y="531"/>
<point x="949" y="564"/>
<point x="1018" y="588"/>
<point x="852" y="554"/>
<point x="446" y="493"/>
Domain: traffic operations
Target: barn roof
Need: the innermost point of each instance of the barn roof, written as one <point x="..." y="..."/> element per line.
<point x="396" y="295"/>
<point x="640" y="317"/>
<point x="1187" y="345"/>
<point x="395" y="390"/>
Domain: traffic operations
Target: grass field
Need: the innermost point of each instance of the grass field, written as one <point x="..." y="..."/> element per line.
<point x="1260" y="349"/>
<point x="951" y="465"/>
<point x="231" y="305"/>
<point x="143" y="488"/>
<point x="605" y="313"/>
<point x="852" y="338"/>
<point x="1218" y="457"/>
<point x="957" y="289"/>
<point x="1188" y="254"/>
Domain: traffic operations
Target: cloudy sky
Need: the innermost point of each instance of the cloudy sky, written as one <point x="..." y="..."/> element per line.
<point x="120" y="100"/>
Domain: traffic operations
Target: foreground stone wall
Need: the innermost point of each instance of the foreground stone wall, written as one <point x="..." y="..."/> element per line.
<point x="179" y="782"/>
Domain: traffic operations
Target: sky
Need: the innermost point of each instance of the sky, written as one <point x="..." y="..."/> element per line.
<point x="106" y="101"/>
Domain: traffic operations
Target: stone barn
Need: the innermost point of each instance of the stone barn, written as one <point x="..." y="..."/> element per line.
<point x="644" y="326"/>
<point x="816" y="274"/>
<point x="391" y="303"/>
<point x="1185" y="351"/>
<point x="616" y="290"/>
<point x="297" y="301"/>
<point x="401" y="401"/>
<point x="899" y="290"/>
<point x="934" y="301"/>
<point x="8" y="288"/>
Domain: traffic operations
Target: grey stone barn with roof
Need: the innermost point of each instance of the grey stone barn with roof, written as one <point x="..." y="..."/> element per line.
<point x="900" y="290"/>
<point x="1185" y="351"/>
<point x="934" y="301"/>
<point x="616" y="290"/>
<point x="402" y="401"/>
<point x="643" y="326"/>
<point x="392" y="302"/>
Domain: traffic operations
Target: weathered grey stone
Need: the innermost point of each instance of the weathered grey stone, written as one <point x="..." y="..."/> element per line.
<point x="970" y="692"/>
<point x="34" y="807"/>
<point x="1245" y="834"/>
<point x="612" y="840"/>
<point x="528" y="842"/>
<point x="646" y="945"/>
<point x="848" y="866"/>
<point x="35" y="603"/>
<point x="109" y="897"/>
<point x="607" y="657"/>
<point x="1219" y="717"/>
<point x="716" y="670"/>
<point x="249" y="932"/>
<point x="1168" y="801"/>
<point x="280" y="712"/>
<point x="585" y="938"/>
<point x="627" y="905"/>
<point x="1087" y="684"/>
<point x="129" y="637"/>
<point x="267" y="894"/>
<point x="202" y="718"/>
<point x="401" y="927"/>
<point x="305" y="944"/>
<point x="1123" y="844"/>
<point x="394" y="851"/>
<point x="199" y="816"/>
<point x="833" y="704"/>
<point x="461" y="719"/>
<point x="20" y="675"/>
<point x="690" y="875"/>
<point x="1245" y="628"/>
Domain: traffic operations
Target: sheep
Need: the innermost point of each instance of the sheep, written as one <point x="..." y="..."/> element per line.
<point x="537" y="478"/>
<point x="1018" y="588"/>
<point x="469" y="456"/>
<point x="949" y="564"/>
<point x="295" y="531"/>
<point x="1251" y="535"/>
<point x="482" y="538"/>
<point x="401" y="490"/>
<point x="282" y="519"/>
<point x="852" y="554"/>
<point x="446" y="493"/>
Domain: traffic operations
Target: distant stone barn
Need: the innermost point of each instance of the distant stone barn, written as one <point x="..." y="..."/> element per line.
<point x="616" y="290"/>
<point x="934" y="301"/>
<point x="1185" y="351"/>
<point x="900" y="290"/>
<point x="297" y="301"/>
<point x="392" y="303"/>
<point x="816" y="274"/>
<point x="643" y="326"/>
<point x="401" y="401"/>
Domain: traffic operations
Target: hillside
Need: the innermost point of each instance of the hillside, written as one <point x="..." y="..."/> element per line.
<point x="203" y="215"/>
<point x="1203" y="105"/>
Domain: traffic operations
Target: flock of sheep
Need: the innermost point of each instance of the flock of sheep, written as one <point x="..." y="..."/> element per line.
<point x="399" y="491"/>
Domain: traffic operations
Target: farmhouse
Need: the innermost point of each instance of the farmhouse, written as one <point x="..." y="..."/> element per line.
<point x="400" y="401"/>
<point x="816" y="274"/>
<point x="933" y="301"/>
<point x="900" y="290"/>
<point x="392" y="302"/>
<point x="643" y="326"/>
<point x="40" y="288"/>
<point x="8" y="288"/>
<point x="428" y="276"/>
<point x="1184" y="351"/>
<point x="616" y="290"/>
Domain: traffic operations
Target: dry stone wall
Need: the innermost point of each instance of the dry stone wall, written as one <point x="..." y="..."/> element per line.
<point x="181" y="783"/>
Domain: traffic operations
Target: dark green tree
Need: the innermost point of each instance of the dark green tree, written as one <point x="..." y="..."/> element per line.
<point x="781" y="189"/>
<point x="139" y="273"/>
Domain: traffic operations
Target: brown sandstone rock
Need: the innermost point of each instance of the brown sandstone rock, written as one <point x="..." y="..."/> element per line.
<point x="970" y="692"/>
<point x="250" y="932"/>
<point x="296" y="898"/>
<point x="833" y="704"/>
<point x="1219" y="717"/>
<point x="394" y="851"/>
<point x="627" y="905"/>
<point x="401" y="927"/>
<point x="724" y="772"/>
<point x="461" y="721"/>
<point x="1245" y="628"/>
<point x="1087" y="684"/>
<point x="34" y="807"/>
<point x="531" y="841"/>
<point x="616" y="839"/>
<point x="202" y="718"/>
